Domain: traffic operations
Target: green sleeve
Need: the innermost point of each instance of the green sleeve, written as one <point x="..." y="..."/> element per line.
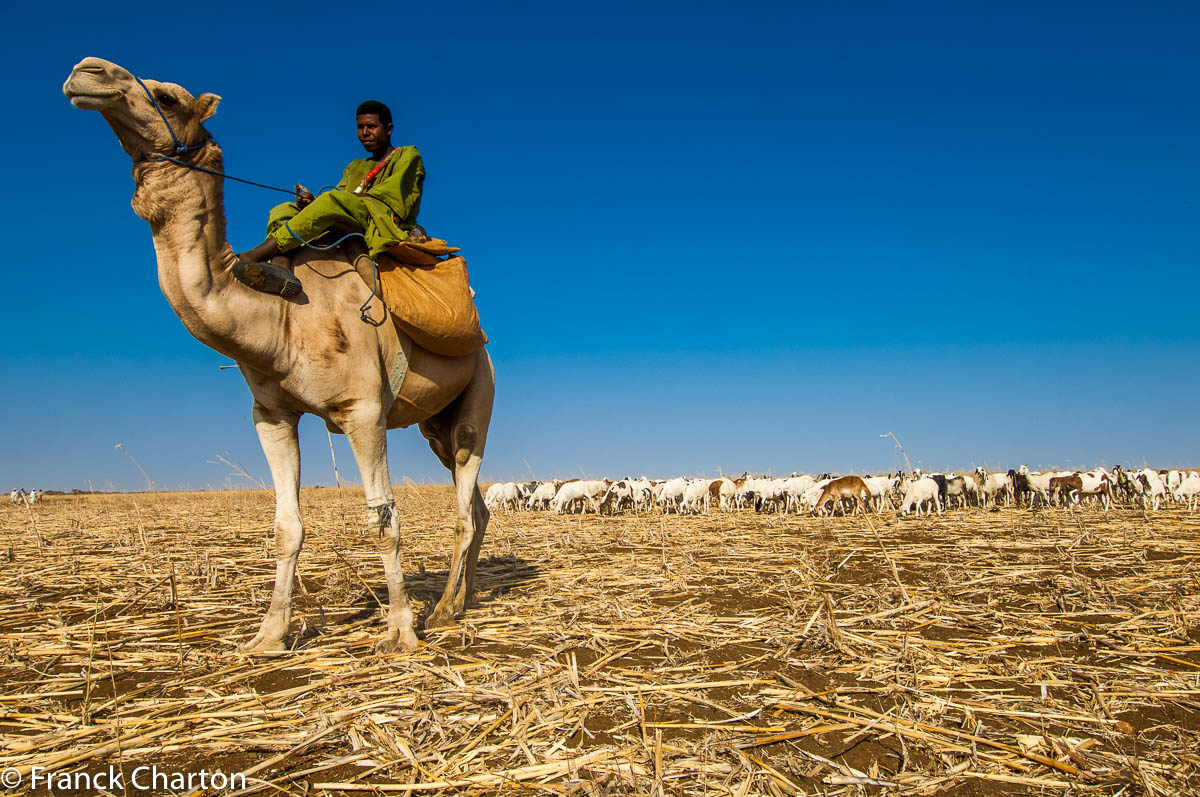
<point x="401" y="187"/>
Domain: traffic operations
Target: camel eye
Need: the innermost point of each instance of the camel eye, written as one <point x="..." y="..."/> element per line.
<point x="166" y="99"/>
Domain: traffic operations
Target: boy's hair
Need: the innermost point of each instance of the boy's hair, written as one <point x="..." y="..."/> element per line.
<point x="375" y="107"/>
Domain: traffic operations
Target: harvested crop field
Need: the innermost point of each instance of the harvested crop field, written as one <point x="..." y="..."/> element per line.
<point x="982" y="652"/>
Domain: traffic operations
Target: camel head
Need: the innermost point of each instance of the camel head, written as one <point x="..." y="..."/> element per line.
<point x="99" y="85"/>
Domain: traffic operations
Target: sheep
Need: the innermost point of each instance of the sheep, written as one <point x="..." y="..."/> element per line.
<point x="805" y="494"/>
<point x="596" y="490"/>
<point x="921" y="491"/>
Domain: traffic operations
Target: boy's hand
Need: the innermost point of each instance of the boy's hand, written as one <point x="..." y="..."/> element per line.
<point x="304" y="197"/>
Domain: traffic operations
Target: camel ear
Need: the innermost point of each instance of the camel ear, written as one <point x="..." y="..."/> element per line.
<point x="206" y="106"/>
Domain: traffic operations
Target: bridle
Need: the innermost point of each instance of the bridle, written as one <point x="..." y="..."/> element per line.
<point x="180" y="147"/>
<point x="183" y="149"/>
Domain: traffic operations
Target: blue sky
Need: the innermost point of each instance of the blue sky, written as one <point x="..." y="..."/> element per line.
<point x="703" y="235"/>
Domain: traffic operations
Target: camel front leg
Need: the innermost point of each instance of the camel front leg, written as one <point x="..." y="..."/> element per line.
<point x="281" y="444"/>
<point x="368" y="439"/>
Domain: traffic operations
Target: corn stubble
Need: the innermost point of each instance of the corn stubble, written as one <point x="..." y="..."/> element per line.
<point x="1009" y="651"/>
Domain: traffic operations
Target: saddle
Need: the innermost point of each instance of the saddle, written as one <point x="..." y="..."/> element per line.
<point x="426" y="288"/>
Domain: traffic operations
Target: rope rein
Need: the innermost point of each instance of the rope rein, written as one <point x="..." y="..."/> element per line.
<point x="183" y="149"/>
<point x="196" y="168"/>
<point x="180" y="147"/>
<point x="365" y="306"/>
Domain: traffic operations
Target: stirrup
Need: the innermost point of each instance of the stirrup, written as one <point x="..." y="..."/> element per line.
<point x="266" y="277"/>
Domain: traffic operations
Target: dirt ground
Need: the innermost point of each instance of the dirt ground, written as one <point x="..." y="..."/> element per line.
<point x="978" y="653"/>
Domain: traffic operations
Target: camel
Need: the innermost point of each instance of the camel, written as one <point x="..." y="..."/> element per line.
<point x="311" y="353"/>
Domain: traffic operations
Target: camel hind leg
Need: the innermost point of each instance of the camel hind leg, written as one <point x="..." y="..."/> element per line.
<point x="460" y="431"/>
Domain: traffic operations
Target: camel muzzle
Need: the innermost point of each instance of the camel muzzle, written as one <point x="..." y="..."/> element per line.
<point x="94" y="83"/>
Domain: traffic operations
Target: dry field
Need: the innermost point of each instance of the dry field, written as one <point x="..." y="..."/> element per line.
<point x="1001" y="652"/>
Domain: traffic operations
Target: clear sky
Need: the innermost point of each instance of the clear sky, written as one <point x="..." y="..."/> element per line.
<point x="703" y="235"/>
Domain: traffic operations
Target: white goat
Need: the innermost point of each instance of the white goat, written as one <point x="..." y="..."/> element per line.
<point x="794" y="488"/>
<point x="1039" y="483"/>
<point x="643" y="494"/>
<point x="571" y="497"/>
<point x="921" y="491"/>
<point x="995" y="485"/>
<point x="1189" y="490"/>
<point x="618" y="494"/>
<point x="808" y="501"/>
<point x="695" y="497"/>
<point x="880" y="488"/>
<point x="542" y="495"/>
<point x="506" y="495"/>
<point x="671" y="494"/>
<point x="1154" y="488"/>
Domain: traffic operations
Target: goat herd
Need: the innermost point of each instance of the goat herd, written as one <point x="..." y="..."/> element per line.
<point x="827" y="494"/>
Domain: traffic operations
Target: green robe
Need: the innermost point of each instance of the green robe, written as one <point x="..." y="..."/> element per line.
<point x="384" y="212"/>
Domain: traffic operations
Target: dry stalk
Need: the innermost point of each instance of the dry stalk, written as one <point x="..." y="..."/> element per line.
<point x="593" y="666"/>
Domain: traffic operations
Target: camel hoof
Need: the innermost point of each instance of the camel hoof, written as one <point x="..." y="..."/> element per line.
<point x="405" y="643"/>
<point x="439" y="620"/>
<point x="262" y="647"/>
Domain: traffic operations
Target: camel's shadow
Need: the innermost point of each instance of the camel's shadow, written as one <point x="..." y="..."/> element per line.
<point x="494" y="577"/>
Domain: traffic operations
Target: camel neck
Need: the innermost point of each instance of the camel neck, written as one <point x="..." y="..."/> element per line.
<point x="186" y="213"/>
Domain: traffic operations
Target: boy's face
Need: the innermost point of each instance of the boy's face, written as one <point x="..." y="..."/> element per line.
<point x="372" y="133"/>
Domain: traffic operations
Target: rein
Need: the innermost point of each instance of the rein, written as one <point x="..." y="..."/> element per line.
<point x="183" y="149"/>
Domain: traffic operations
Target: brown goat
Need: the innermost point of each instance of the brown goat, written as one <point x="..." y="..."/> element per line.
<point x="845" y="487"/>
<point x="1066" y="487"/>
